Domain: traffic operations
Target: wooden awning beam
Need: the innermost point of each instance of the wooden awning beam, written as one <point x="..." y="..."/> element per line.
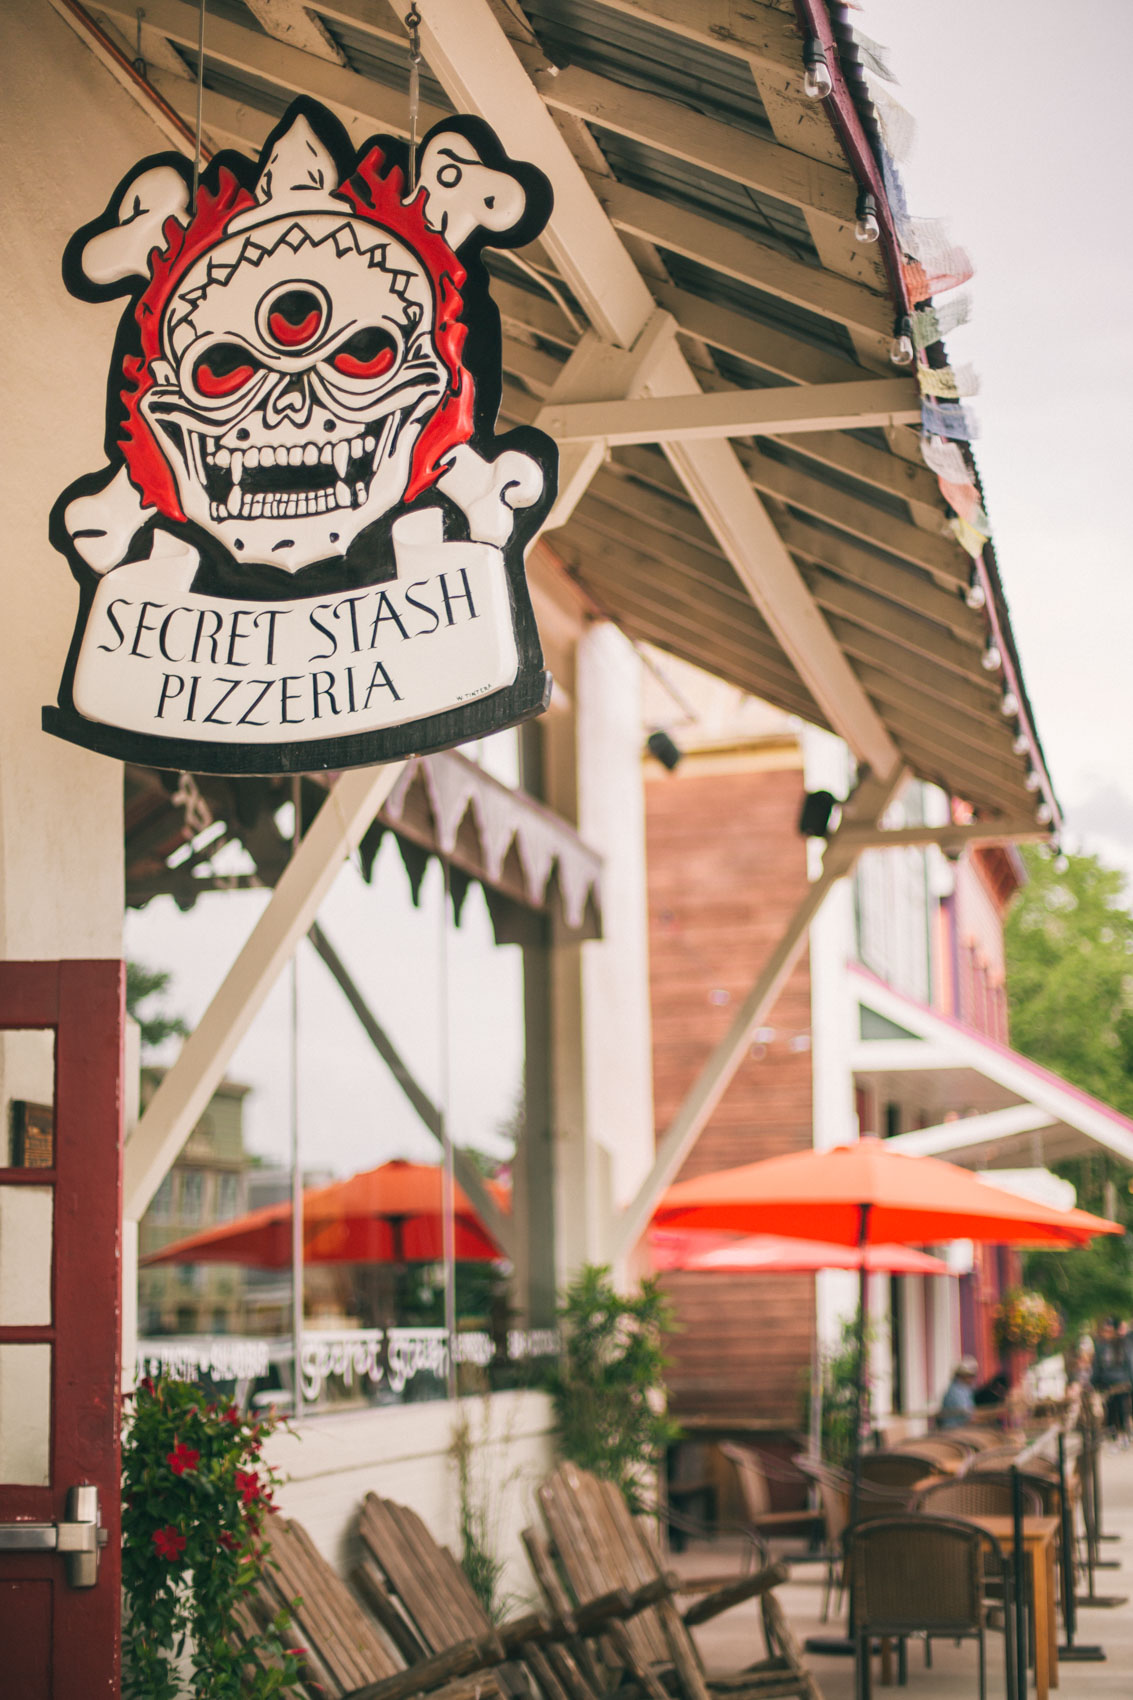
<point x="784" y="410"/>
<point x="470" y="55"/>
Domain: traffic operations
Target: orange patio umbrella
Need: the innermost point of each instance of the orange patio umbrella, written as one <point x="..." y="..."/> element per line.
<point x="864" y="1194"/>
<point x="392" y="1214"/>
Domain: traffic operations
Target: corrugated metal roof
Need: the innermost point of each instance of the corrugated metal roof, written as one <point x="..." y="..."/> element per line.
<point x="773" y="222"/>
<point x="637" y="53"/>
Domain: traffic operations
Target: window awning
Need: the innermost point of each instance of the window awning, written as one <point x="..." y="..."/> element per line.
<point x="1008" y="1111"/>
<point x="743" y="477"/>
<point x="526" y="857"/>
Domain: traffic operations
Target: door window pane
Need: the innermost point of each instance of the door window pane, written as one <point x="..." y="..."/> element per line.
<point x="27" y="1092"/>
<point x="25" y="1415"/>
<point x="25" y="1256"/>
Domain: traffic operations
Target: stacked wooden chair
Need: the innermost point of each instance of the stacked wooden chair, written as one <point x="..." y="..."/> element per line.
<point x="594" y="1544"/>
<point x="345" y="1651"/>
<point x="424" y="1601"/>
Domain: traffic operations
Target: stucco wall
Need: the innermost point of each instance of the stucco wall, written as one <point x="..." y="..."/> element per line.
<point x="403" y="1453"/>
<point x="68" y="133"/>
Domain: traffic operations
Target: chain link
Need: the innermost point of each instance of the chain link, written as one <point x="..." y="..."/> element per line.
<point x="413" y="25"/>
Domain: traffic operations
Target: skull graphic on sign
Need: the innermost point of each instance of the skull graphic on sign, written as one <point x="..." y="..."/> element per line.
<point x="305" y="383"/>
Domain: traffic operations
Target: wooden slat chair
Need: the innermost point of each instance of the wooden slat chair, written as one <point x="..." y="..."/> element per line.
<point x="599" y="1545"/>
<point x="346" y="1653"/>
<point x="421" y="1595"/>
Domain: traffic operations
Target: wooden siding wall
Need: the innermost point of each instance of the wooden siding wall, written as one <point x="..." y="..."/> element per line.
<point x="726" y="868"/>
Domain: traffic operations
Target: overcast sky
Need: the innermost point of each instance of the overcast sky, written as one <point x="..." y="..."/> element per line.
<point x="1024" y="142"/>
<point x="1025" y="137"/>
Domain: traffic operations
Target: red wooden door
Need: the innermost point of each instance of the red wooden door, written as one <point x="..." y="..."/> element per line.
<point x="60" y="1317"/>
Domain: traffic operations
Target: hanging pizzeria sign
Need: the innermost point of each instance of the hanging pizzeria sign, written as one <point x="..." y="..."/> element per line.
<point x="307" y="548"/>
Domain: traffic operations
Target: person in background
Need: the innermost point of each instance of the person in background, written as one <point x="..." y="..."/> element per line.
<point x="993" y="1391"/>
<point x="1111" y="1378"/>
<point x="959" y="1400"/>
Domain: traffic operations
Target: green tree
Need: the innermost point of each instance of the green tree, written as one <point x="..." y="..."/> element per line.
<point x="142" y="984"/>
<point x="1069" y="943"/>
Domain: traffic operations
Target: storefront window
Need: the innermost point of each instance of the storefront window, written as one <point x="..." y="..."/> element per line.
<point x="445" y="1000"/>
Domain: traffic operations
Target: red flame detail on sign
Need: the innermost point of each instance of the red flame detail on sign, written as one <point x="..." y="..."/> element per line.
<point x="373" y="195"/>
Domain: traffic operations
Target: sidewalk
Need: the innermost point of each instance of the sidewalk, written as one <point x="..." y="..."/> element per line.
<point x="734" y="1639"/>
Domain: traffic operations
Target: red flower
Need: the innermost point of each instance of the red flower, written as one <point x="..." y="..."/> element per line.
<point x="182" y="1458"/>
<point x="232" y="1415"/>
<point x="248" y="1486"/>
<point x="228" y="1540"/>
<point x="169" y="1542"/>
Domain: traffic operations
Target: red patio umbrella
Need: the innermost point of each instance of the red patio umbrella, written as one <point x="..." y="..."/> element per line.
<point x="774" y="1254"/>
<point x="392" y="1214"/>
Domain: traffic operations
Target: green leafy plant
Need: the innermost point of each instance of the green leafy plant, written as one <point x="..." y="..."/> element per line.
<point x="609" y="1379"/>
<point x="477" y="1557"/>
<point x="839" y="1375"/>
<point x="196" y="1495"/>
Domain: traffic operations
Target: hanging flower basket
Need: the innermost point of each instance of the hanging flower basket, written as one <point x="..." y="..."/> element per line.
<point x="1025" y="1321"/>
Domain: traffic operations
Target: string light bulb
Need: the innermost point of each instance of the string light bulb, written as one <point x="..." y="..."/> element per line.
<point x="1009" y="704"/>
<point x="1020" y="743"/>
<point x="867" y="228"/>
<point x="817" y="81"/>
<point x="901" y="350"/>
<point x="1044" y="814"/>
<point x="1032" y="781"/>
<point x="975" y="595"/>
<point x="991" y="660"/>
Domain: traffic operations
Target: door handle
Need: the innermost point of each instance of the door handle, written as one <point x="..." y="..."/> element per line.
<point x="80" y="1538"/>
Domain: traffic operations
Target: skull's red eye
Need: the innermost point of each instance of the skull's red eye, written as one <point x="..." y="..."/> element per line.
<point x="295" y="318"/>
<point x="226" y="368"/>
<point x="367" y="354"/>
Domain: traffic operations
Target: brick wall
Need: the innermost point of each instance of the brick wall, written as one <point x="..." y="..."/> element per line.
<point x="726" y="868"/>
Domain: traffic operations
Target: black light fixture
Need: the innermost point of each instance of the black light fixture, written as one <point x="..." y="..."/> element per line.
<point x="814" y="816"/>
<point x="867" y="228"/>
<point x="817" y="82"/>
<point x="662" y="748"/>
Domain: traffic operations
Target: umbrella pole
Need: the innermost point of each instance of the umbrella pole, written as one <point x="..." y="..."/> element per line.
<point x="842" y="1646"/>
<point x="861" y="1405"/>
<point x="296" y="1168"/>
<point x="448" y="1171"/>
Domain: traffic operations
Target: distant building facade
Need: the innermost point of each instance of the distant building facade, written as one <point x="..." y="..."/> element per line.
<point x="208" y="1184"/>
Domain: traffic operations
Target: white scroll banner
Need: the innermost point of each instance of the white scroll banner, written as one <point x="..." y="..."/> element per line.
<point x="160" y="658"/>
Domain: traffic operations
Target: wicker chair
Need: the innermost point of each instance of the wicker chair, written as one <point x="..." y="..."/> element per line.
<point x="944" y="1448"/>
<point x="760" y="1520"/>
<point x="834" y="1488"/>
<point x="976" y="1496"/>
<point x="919" y="1575"/>
<point x="898" y="1472"/>
<point x="980" y="1439"/>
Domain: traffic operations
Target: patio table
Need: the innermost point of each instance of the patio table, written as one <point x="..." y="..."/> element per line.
<point x="1039" y="1536"/>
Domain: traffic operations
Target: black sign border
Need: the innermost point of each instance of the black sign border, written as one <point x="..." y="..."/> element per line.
<point x="529" y="694"/>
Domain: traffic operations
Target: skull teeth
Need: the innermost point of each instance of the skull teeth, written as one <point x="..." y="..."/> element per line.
<point x="348" y="457"/>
